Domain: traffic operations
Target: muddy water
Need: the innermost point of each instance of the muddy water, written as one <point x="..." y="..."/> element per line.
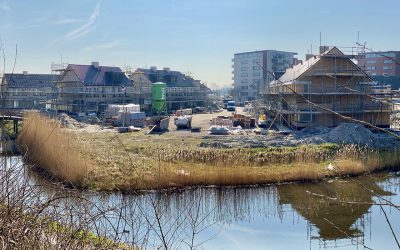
<point x="338" y="214"/>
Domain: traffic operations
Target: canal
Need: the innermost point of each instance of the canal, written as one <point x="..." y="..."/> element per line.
<point x="339" y="213"/>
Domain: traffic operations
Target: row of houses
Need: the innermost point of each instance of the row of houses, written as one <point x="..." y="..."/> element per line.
<point x="90" y="88"/>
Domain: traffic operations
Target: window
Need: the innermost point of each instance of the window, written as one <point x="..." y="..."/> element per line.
<point x="244" y="87"/>
<point x="371" y="68"/>
<point x="387" y="67"/>
<point x="256" y="61"/>
<point x="257" y="73"/>
<point x="257" y="81"/>
<point x="371" y="61"/>
<point x="243" y="68"/>
<point x="371" y="55"/>
<point x="306" y="117"/>
<point x="387" y="61"/>
<point x="244" y="81"/>
<point x="244" y="75"/>
<point x="256" y="67"/>
<point x="245" y="62"/>
<point x="389" y="54"/>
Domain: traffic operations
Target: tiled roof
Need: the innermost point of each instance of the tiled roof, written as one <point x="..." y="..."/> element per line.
<point x="30" y="80"/>
<point x="297" y="70"/>
<point x="101" y="75"/>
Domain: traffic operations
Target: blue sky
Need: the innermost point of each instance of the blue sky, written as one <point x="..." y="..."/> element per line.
<point x="186" y="35"/>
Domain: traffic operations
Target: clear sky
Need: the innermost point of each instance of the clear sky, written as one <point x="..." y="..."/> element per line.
<point x="186" y="35"/>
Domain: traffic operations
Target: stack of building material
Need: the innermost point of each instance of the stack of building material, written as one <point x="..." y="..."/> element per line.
<point x="219" y="130"/>
<point x="116" y="109"/>
<point x="136" y="119"/>
<point x="222" y="121"/>
<point x="181" y="112"/>
<point x="243" y="120"/>
<point x="184" y="121"/>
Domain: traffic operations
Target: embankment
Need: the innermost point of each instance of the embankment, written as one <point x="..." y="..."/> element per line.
<point x="135" y="161"/>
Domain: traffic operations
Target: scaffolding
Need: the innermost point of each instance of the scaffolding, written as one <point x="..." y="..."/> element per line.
<point x="332" y="81"/>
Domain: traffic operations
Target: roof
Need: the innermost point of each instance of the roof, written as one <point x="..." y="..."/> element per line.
<point x="101" y="75"/>
<point x="30" y="80"/>
<point x="264" y="51"/>
<point x="170" y="77"/>
<point x="296" y="71"/>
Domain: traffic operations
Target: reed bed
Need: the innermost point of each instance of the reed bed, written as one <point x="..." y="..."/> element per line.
<point x="112" y="161"/>
<point x="53" y="149"/>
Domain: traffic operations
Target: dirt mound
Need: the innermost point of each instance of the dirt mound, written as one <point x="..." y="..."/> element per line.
<point x="351" y="133"/>
<point x="69" y="122"/>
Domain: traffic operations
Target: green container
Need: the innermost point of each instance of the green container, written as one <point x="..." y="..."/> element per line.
<point x="159" y="91"/>
<point x="159" y="107"/>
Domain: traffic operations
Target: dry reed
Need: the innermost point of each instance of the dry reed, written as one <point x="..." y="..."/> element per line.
<point x="136" y="161"/>
<point x="53" y="149"/>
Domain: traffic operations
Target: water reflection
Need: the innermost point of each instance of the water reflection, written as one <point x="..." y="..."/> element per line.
<point x="338" y="210"/>
<point x="334" y="207"/>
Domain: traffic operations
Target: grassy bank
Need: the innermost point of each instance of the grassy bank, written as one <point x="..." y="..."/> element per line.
<point x="55" y="150"/>
<point x="111" y="161"/>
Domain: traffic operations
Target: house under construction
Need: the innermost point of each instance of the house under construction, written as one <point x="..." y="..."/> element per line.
<point x="333" y="82"/>
<point x="182" y="91"/>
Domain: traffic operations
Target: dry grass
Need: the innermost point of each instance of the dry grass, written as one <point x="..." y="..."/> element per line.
<point x="53" y="149"/>
<point x="138" y="161"/>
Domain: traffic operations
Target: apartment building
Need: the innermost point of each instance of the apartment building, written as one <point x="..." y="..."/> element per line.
<point x="249" y="78"/>
<point x="383" y="67"/>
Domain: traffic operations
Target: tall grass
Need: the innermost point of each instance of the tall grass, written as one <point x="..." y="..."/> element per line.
<point x="134" y="161"/>
<point x="53" y="149"/>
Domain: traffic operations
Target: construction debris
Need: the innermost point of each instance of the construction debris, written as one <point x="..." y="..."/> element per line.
<point x="68" y="122"/>
<point x="346" y="133"/>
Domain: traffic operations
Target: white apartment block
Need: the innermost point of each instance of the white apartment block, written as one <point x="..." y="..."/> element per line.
<point x="249" y="78"/>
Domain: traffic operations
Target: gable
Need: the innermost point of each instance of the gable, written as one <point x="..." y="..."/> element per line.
<point x="334" y="51"/>
<point x="70" y="76"/>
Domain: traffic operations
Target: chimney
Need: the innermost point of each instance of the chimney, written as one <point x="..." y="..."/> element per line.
<point x="323" y="49"/>
<point x="95" y="65"/>
<point x="25" y="72"/>
<point x="308" y="56"/>
<point x="296" y="61"/>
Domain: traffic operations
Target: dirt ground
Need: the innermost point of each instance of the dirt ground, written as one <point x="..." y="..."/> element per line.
<point x="246" y="138"/>
<point x="202" y="121"/>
